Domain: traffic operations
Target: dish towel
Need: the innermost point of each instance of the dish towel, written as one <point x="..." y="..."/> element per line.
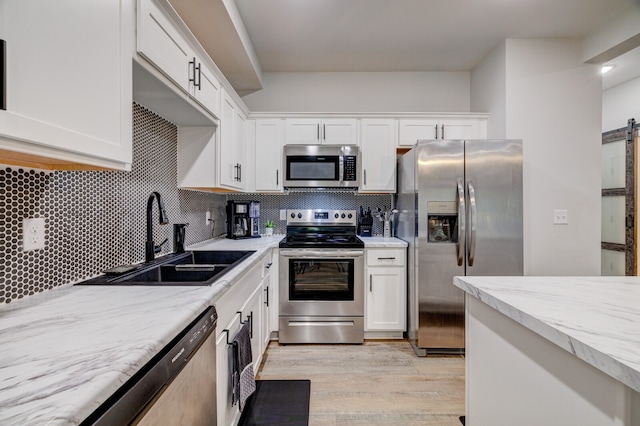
<point x="243" y="380"/>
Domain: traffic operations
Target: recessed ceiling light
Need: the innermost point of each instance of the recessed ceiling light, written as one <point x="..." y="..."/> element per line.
<point x="606" y="68"/>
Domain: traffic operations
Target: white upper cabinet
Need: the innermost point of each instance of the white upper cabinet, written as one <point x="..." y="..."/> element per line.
<point x="68" y="84"/>
<point x="232" y="144"/>
<point x="268" y="152"/>
<point x="206" y="88"/>
<point x="378" y="155"/>
<point x="166" y="47"/>
<point x="313" y="131"/>
<point x="411" y="130"/>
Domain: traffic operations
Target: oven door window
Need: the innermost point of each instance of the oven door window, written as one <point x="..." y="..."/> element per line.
<point x="321" y="279"/>
<point x="311" y="167"/>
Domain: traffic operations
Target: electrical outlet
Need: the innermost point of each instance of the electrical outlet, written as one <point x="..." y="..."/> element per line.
<point x="283" y="214"/>
<point x="33" y="234"/>
<point x="207" y="218"/>
<point x="560" y="217"/>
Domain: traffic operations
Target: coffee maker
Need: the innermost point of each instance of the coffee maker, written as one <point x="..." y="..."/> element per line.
<point x="243" y="219"/>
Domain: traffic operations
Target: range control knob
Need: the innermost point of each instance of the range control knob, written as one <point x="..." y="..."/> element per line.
<point x="293" y="215"/>
<point x="342" y="216"/>
<point x="299" y="215"/>
<point x="336" y="215"/>
<point x="349" y="215"/>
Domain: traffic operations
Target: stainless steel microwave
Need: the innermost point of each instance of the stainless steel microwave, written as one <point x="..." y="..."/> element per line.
<point x="321" y="166"/>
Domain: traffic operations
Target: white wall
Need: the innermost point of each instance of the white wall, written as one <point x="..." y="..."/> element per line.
<point x="362" y="92"/>
<point x="488" y="91"/>
<point x="619" y="104"/>
<point x="552" y="101"/>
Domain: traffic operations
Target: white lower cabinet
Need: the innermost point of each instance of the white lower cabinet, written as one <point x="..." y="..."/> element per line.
<point x="268" y="298"/>
<point x="244" y="301"/>
<point x="385" y="287"/>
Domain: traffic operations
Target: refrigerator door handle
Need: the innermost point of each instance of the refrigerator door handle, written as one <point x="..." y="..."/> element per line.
<point x="472" y="222"/>
<point x="462" y="214"/>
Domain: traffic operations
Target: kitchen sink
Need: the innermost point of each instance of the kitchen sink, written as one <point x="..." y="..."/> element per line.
<point x="194" y="268"/>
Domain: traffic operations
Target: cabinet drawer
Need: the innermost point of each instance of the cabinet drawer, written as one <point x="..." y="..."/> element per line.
<point x="389" y="257"/>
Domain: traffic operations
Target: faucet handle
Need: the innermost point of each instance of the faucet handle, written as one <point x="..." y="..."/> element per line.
<point x="158" y="248"/>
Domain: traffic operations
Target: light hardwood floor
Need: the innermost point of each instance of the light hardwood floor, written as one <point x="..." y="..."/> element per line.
<point x="378" y="383"/>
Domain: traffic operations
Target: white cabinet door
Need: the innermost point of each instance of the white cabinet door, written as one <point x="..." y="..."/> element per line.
<point x="268" y="154"/>
<point x="313" y="131"/>
<point x="68" y="84"/>
<point x="451" y="128"/>
<point x="229" y="167"/>
<point x="339" y="131"/>
<point x="239" y="148"/>
<point x="160" y="42"/>
<point x="378" y="155"/>
<point x="205" y="87"/>
<point x="386" y="299"/>
<point x="252" y="312"/>
<point x="302" y="131"/>
<point x="228" y="413"/>
<point x="412" y="130"/>
<point x="267" y="297"/>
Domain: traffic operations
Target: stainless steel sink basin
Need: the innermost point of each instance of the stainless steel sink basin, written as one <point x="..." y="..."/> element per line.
<point x="195" y="268"/>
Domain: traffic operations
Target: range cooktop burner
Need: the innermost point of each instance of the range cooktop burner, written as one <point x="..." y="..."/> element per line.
<point x="321" y="229"/>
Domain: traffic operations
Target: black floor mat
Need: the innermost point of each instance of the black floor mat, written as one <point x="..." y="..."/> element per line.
<point x="278" y="402"/>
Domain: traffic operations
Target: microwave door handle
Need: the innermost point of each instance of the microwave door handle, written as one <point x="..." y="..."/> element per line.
<point x="472" y="222"/>
<point x="461" y="225"/>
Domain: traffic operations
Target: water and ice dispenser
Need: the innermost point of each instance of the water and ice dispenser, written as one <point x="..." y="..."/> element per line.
<point x="442" y="221"/>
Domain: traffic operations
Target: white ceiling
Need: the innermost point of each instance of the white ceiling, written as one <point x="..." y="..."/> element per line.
<point x="388" y="35"/>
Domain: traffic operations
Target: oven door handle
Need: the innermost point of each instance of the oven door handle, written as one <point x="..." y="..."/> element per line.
<point x="303" y="254"/>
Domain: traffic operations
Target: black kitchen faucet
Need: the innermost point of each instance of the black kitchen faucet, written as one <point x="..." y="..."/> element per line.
<point x="150" y="247"/>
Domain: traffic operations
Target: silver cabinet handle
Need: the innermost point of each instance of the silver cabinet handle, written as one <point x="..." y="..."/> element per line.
<point x="472" y="222"/>
<point x="461" y="225"/>
<point x="324" y="132"/>
<point x="370" y="283"/>
<point x="277" y="177"/>
<point x="365" y="177"/>
<point x="266" y="290"/>
<point x="436" y="126"/>
<point x="386" y="258"/>
<point x="318" y="131"/>
<point x="442" y="136"/>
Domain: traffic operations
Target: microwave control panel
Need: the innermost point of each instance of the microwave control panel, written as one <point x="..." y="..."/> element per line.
<point x="350" y="168"/>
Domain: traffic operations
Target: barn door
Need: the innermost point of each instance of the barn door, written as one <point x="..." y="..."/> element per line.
<point x="619" y="200"/>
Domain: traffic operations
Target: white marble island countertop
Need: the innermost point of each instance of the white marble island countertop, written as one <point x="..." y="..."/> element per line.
<point x="595" y="318"/>
<point x="63" y="352"/>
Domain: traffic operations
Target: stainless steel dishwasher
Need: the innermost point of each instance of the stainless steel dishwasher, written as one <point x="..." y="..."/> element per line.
<point x="177" y="387"/>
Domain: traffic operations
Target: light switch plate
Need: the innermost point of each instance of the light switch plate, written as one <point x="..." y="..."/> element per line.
<point x="33" y="234"/>
<point x="560" y="217"/>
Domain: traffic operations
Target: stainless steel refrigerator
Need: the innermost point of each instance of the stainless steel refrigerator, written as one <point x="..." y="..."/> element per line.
<point x="460" y="210"/>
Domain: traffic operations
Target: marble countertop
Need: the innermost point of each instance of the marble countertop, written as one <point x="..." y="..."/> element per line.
<point x="373" y="242"/>
<point x="63" y="352"/>
<point x="595" y="318"/>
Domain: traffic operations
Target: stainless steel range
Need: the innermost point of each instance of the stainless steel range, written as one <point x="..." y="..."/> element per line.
<point x="321" y="278"/>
